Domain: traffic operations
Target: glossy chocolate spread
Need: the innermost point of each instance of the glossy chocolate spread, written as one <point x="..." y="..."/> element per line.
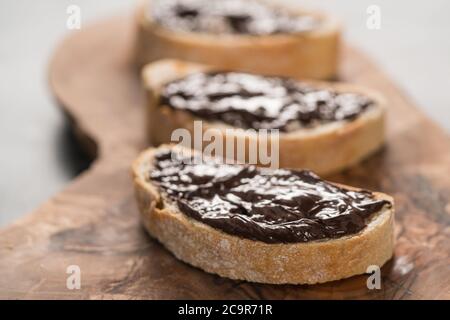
<point x="260" y="102"/>
<point x="272" y="206"/>
<point x="229" y="17"/>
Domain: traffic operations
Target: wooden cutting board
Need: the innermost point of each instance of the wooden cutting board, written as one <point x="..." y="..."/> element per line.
<point x="94" y="224"/>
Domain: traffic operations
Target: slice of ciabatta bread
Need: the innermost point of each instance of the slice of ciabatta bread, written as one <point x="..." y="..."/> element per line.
<point x="311" y="54"/>
<point x="324" y="149"/>
<point x="234" y="257"/>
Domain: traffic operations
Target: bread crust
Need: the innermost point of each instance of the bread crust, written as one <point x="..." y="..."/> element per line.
<point x="234" y="257"/>
<point x="325" y="149"/>
<point x="311" y="54"/>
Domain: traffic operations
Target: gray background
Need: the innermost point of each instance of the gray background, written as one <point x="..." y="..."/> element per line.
<point x="39" y="156"/>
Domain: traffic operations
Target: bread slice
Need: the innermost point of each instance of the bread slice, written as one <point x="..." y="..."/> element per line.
<point x="233" y="257"/>
<point x="323" y="149"/>
<point x="312" y="54"/>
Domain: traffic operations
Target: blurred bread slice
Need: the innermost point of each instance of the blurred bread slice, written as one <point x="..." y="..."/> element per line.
<point x="324" y="148"/>
<point x="312" y="54"/>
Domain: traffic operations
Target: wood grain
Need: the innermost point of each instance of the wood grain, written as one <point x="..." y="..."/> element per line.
<point x="94" y="222"/>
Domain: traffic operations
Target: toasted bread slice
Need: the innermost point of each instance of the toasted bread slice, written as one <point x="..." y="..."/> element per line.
<point x="234" y="257"/>
<point x="312" y="54"/>
<point x="324" y="148"/>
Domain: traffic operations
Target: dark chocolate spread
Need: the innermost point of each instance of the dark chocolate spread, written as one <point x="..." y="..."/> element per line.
<point x="272" y="206"/>
<point x="229" y="17"/>
<point x="260" y="102"/>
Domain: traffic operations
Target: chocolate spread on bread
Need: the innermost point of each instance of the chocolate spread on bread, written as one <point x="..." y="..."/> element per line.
<point x="260" y="102"/>
<point x="272" y="206"/>
<point x="229" y="17"/>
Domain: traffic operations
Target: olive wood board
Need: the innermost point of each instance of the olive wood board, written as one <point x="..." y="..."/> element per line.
<point x="94" y="222"/>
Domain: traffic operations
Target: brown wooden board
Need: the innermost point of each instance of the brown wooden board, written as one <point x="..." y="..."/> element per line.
<point x="94" y="222"/>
